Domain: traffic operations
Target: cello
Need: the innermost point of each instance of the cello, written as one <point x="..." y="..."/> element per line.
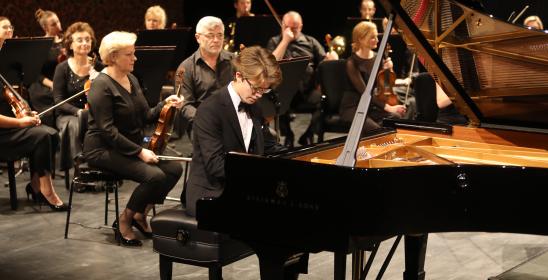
<point x="164" y="127"/>
<point x="385" y="83"/>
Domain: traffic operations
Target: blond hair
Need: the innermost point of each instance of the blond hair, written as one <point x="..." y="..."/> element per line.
<point x="42" y="17"/>
<point x="159" y="13"/>
<point x="535" y="19"/>
<point x="113" y="42"/>
<point x="360" y="31"/>
<point x="258" y="64"/>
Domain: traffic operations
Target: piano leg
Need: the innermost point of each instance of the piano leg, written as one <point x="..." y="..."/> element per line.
<point x="415" y="253"/>
<point x="340" y="266"/>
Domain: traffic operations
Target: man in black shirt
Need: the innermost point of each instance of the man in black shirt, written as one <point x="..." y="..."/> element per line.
<point x="205" y="71"/>
<point x="293" y="43"/>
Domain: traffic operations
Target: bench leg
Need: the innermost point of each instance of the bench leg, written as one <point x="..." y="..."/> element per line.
<point x="216" y="273"/>
<point x="166" y="267"/>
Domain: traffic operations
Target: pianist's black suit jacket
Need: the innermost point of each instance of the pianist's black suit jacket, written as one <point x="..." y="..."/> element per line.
<point x="216" y="132"/>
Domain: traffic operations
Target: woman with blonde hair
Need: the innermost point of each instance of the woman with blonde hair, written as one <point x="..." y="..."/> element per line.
<point x="118" y="112"/>
<point x="40" y="91"/>
<point x="533" y="22"/>
<point x="358" y="67"/>
<point x="155" y="18"/>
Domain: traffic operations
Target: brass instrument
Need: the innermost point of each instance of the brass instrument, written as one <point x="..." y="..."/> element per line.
<point x="337" y="44"/>
<point x="229" y="40"/>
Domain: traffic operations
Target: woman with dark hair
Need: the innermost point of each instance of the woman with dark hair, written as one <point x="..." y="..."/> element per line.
<point x="69" y="79"/>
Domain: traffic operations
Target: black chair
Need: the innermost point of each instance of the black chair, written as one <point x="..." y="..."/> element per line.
<point x="334" y="82"/>
<point x="11" y="183"/>
<point x="87" y="175"/>
<point x="176" y="238"/>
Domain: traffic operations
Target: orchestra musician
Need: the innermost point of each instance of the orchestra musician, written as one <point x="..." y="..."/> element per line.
<point x="118" y="112"/>
<point x="533" y="22"/>
<point x="70" y="77"/>
<point x="155" y="18"/>
<point x="243" y="9"/>
<point x="367" y="9"/>
<point x="359" y="66"/>
<point x="40" y="92"/>
<point x="6" y="30"/>
<point x="26" y="137"/>
<point x="293" y="43"/>
<point x="205" y="71"/>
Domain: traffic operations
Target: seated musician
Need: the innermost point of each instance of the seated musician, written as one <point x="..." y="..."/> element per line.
<point x="358" y="67"/>
<point x="6" y="30"/>
<point x="40" y="92"/>
<point x="205" y="71"/>
<point x="367" y="9"/>
<point x="69" y="79"/>
<point x="118" y="112"/>
<point x="293" y="43"/>
<point x="155" y="18"/>
<point x="243" y="9"/>
<point x="26" y="137"/>
<point x="533" y="22"/>
<point x="231" y="121"/>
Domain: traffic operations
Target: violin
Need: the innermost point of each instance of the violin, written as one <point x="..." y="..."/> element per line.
<point x="385" y="82"/>
<point x="19" y="106"/>
<point x="164" y="127"/>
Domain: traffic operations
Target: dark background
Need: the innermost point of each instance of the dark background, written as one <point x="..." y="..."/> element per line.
<point x="108" y="15"/>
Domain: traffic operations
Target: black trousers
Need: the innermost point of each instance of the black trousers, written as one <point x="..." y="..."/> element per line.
<point x="156" y="180"/>
<point x="38" y="143"/>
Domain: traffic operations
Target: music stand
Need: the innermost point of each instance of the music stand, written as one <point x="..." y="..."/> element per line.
<point x="255" y="30"/>
<point x="178" y="37"/>
<point x="151" y="67"/>
<point x="21" y="59"/>
<point x="278" y="101"/>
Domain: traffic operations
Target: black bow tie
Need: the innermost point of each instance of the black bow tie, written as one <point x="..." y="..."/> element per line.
<point x="244" y="107"/>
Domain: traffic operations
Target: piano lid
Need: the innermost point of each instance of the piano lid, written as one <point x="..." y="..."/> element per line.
<point x="495" y="72"/>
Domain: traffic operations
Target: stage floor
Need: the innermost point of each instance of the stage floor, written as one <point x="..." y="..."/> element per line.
<point x="33" y="247"/>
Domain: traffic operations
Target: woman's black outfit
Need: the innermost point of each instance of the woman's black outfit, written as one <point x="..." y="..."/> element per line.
<point x="40" y="95"/>
<point x="37" y="142"/>
<point x="115" y="133"/>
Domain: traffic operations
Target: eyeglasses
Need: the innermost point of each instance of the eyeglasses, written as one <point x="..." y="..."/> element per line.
<point x="257" y="90"/>
<point x="211" y="36"/>
<point x="82" y="40"/>
<point x="8" y="27"/>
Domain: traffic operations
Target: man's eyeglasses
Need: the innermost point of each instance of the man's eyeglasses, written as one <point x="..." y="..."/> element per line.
<point x="257" y="90"/>
<point x="8" y="27"/>
<point x="211" y="36"/>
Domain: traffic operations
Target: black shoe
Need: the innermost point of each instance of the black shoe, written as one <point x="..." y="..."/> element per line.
<point x="288" y="141"/>
<point x="56" y="208"/>
<point x="306" y="139"/>
<point x="145" y="233"/>
<point x="123" y="241"/>
<point x="30" y="193"/>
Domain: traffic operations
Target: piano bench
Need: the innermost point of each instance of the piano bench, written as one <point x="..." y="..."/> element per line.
<point x="176" y="238"/>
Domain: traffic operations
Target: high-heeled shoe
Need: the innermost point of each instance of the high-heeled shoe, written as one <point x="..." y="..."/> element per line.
<point x="56" y="208"/>
<point x="306" y="139"/>
<point x="122" y="240"/>
<point x="145" y="233"/>
<point x="30" y="193"/>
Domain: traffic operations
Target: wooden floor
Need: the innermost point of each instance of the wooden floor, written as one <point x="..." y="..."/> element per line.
<point x="32" y="245"/>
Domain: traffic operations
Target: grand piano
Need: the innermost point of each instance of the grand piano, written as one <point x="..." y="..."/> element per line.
<point x="409" y="178"/>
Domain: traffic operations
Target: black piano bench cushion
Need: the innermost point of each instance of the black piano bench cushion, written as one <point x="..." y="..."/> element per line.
<point x="176" y="235"/>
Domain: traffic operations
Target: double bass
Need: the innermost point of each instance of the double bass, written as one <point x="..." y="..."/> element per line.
<point x="164" y="127"/>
